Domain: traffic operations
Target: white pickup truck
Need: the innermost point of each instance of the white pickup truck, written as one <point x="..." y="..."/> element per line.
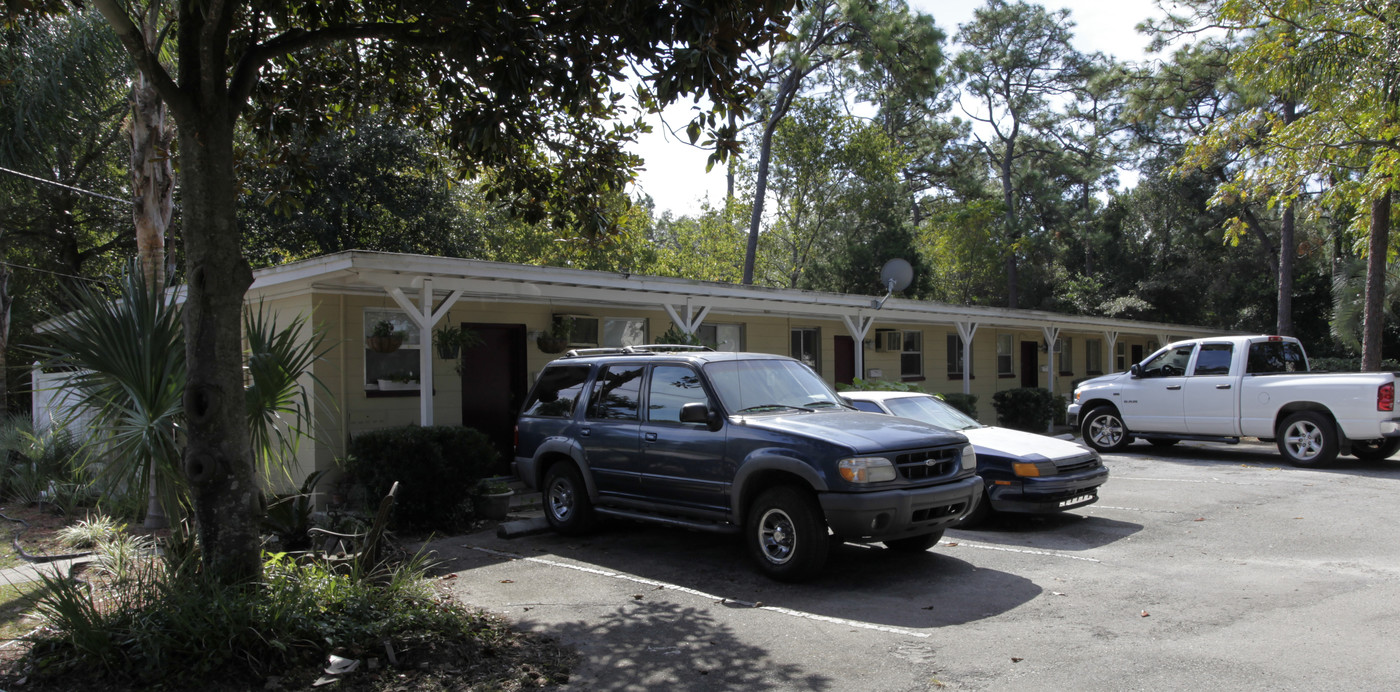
<point x="1225" y="388"/>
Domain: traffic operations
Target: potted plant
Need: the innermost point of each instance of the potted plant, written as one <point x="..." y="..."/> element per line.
<point x="399" y="381"/>
<point x="557" y="338"/>
<point x="451" y="340"/>
<point x="383" y="338"/>
<point x="493" y="499"/>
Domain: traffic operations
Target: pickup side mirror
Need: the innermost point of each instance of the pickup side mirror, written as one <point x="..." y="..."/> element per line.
<point x="698" y="412"/>
<point x="1135" y="371"/>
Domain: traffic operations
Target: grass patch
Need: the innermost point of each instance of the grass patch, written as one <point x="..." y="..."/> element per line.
<point x="17" y="603"/>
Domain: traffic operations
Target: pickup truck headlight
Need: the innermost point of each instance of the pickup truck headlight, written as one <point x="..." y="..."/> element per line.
<point x="969" y="458"/>
<point x="866" y="469"/>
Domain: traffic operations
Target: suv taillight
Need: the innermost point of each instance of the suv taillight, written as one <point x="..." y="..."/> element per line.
<point x="1385" y="397"/>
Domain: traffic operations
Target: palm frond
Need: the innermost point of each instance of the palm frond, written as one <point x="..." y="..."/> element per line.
<point x="279" y="407"/>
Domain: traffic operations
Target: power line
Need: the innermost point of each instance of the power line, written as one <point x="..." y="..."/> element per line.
<point x="12" y="265"/>
<point x="66" y="187"/>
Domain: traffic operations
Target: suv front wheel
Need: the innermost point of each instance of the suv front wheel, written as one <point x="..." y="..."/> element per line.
<point x="786" y="533"/>
<point x="566" y="503"/>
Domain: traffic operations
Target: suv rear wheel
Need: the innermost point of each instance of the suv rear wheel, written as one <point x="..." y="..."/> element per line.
<point x="786" y="533"/>
<point x="566" y="504"/>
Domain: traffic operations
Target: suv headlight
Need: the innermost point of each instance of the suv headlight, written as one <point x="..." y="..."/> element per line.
<point x="866" y="469"/>
<point x="969" y="458"/>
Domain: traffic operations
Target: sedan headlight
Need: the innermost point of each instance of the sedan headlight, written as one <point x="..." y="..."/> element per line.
<point x="969" y="458"/>
<point x="1034" y="469"/>
<point x="866" y="469"/>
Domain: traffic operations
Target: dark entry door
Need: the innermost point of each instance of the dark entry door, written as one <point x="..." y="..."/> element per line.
<point x="494" y="385"/>
<point x="1136" y="354"/>
<point x="1030" y="364"/>
<point x="845" y="359"/>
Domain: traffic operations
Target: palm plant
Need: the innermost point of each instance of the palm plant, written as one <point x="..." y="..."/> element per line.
<point x="127" y="358"/>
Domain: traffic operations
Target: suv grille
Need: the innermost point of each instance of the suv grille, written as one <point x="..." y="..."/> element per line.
<point x="927" y="463"/>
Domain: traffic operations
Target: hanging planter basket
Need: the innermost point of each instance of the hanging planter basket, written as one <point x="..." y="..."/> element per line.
<point x="384" y="344"/>
<point x="550" y="344"/>
<point x="448" y="351"/>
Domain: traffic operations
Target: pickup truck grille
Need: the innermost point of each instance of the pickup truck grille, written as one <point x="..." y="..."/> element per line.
<point x="927" y="463"/>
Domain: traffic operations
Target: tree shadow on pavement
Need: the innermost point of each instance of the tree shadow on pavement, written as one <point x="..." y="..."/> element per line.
<point x="657" y="645"/>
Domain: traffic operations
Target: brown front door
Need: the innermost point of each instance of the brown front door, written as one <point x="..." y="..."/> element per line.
<point x="845" y="359"/>
<point x="494" y="385"/>
<point x="1030" y="364"/>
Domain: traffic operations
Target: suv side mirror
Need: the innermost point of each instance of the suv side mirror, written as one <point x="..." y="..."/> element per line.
<point x="698" y="412"/>
<point x="1135" y="371"/>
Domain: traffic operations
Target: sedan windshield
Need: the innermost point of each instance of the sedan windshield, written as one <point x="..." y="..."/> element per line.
<point x="932" y="411"/>
<point x="769" y="386"/>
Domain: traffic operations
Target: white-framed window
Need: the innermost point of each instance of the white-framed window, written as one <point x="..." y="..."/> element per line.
<point x="624" y="331"/>
<point x="1093" y="357"/>
<point x="806" y="346"/>
<point x="396" y="370"/>
<point x="722" y="337"/>
<point x="911" y="357"/>
<point x="955" y="356"/>
<point x="1064" y="356"/>
<point x="1120" y="357"/>
<point x="1006" y="361"/>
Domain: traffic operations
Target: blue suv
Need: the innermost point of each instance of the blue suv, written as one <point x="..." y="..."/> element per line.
<point x="745" y="443"/>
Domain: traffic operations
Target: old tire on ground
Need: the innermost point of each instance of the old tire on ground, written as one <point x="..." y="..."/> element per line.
<point x="566" y="505"/>
<point x="1104" y="431"/>
<point x="1161" y="441"/>
<point x="786" y="533"/>
<point x="1375" y="450"/>
<point x="914" y="544"/>
<point x="1307" y="439"/>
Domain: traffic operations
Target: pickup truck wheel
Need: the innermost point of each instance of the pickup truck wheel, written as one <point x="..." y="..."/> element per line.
<point x="1103" y="430"/>
<point x="914" y="544"/>
<point x="786" y="533"/>
<point x="1375" y="450"/>
<point x="1307" y="439"/>
<point x="566" y="504"/>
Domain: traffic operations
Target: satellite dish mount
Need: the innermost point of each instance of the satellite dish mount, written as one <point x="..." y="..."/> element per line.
<point x="896" y="275"/>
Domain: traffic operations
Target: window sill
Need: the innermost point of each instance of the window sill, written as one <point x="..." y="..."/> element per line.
<point x="390" y="394"/>
<point x="1066" y="374"/>
<point x="1007" y="376"/>
<point x="911" y="378"/>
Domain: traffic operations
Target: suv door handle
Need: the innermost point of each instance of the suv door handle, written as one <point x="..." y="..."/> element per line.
<point x="583" y="432"/>
<point x="1173" y="387"/>
<point x="1222" y="386"/>
<point x="649" y="437"/>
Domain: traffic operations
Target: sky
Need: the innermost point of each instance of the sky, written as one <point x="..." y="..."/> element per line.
<point x="674" y="173"/>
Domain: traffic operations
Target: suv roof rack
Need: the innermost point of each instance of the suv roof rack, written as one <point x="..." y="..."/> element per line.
<point x="644" y="349"/>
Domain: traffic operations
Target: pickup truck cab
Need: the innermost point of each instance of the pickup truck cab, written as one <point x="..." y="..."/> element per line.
<point x="1225" y="388"/>
<point x="745" y="443"/>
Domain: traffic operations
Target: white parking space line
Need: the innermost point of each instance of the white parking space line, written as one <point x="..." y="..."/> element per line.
<point x="983" y="546"/>
<point x="695" y="592"/>
<point x="1136" y="509"/>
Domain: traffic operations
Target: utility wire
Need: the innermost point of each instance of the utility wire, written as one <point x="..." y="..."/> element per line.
<point x="12" y="265"/>
<point x="66" y="187"/>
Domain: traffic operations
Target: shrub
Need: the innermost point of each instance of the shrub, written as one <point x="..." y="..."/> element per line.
<point x="1030" y="408"/>
<point x="1346" y="364"/>
<point x="967" y="403"/>
<point x="437" y="469"/>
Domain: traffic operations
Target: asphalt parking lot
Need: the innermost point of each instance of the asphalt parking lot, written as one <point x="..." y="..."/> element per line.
<point x="1201" y="567"/>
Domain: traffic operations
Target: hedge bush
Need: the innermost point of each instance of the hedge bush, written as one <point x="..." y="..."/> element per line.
<point x="437" y="468"/>
<point x="1030" y="408"/>
<point x="967" y="403"/>
<point x="1346" y="364"/>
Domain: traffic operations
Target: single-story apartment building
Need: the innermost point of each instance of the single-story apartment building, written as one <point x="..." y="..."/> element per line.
<point x="941" y="347"/>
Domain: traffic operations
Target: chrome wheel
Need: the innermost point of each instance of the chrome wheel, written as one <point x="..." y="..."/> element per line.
<point x="1308" y="438"/>
<point x="561" y="500"/>
<point x="777" y="537"/>
<point x="566" y="504"/>
<point x="1104" y="430"/>
<point x="1304" y="440"/>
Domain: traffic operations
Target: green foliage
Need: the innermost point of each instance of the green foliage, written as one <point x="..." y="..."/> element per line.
<point x="1030" y="408"/>
<point x="89" y="531"/>
<point x="967" y="403"/>
<point x="31" y="461"/>
<point x="157" y="622"/>
<point x="862" y="385"/>
<point x="437" y="468"/>
<point x="674" y="335"/>
<point x="288" y="516"/>
<point x="1347" y="365"/>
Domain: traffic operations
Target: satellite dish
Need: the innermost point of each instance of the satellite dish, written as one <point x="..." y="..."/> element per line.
<point x="896" y="275"/>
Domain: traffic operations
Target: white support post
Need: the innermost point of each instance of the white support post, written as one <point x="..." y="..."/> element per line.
<point x="858" y="328"/>
<point x="424" y="317"/>
<point x="691" y="322"/>
<point x="1052" y="334"/>
<point x="1111" y="339"/>
<point x="966" y="330"/>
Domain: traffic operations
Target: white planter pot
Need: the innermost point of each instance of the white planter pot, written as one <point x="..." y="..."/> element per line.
<point x="392" y="386"/>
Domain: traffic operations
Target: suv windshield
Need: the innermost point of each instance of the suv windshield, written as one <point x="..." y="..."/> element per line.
<point x="763" y="386"/>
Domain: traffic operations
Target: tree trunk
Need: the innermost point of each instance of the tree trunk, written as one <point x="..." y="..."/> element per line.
<point x="1374" y="318"/>
<point x="218" y="458"/>
<point x="1287" y="248"/>
<point x="152" y="179"/>
<point x="780" y="107"/>
<point x="6" y="300"/>
<point x="1008" y="195"/>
